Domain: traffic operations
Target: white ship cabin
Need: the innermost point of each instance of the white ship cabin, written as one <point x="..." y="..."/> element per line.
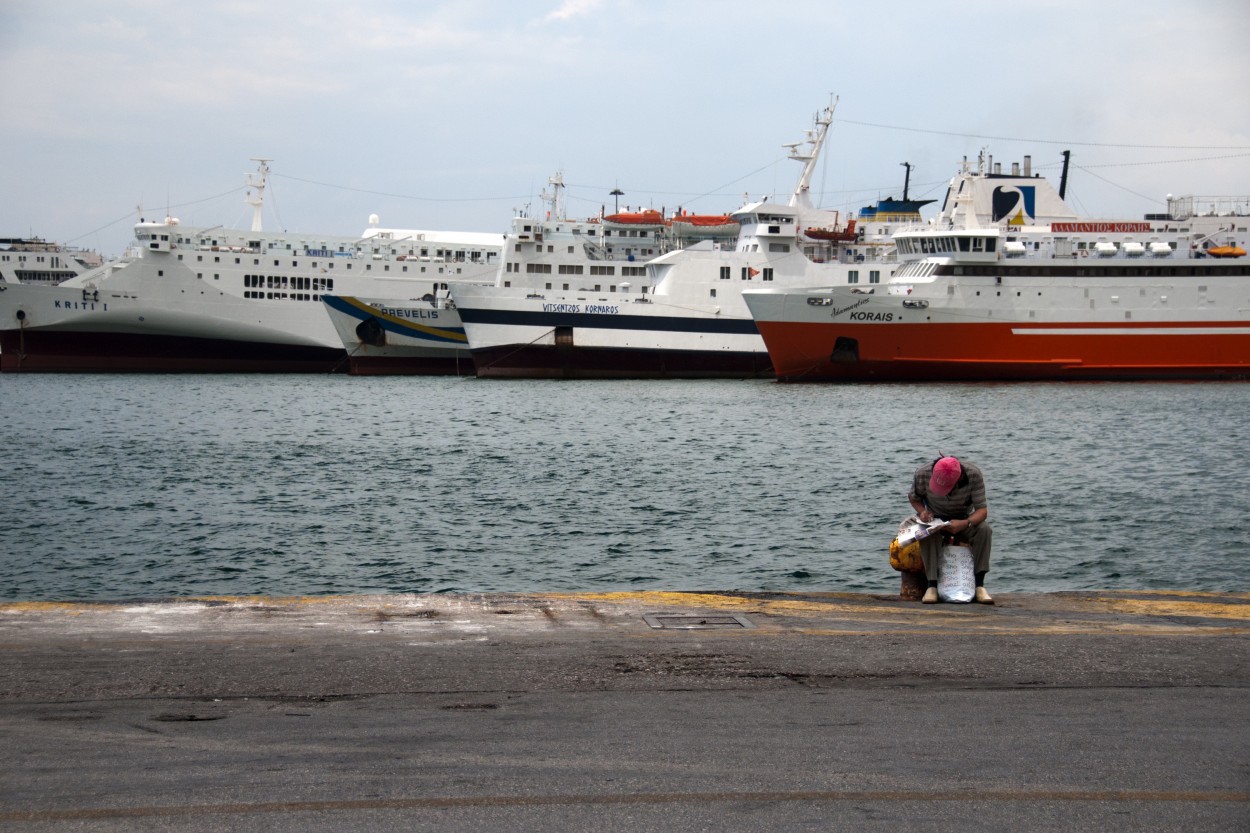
<point x="1017" y="218"/>
<point x="767" y="227"/>
<point x="37" y="261"/>
<point x="281" y="266"/>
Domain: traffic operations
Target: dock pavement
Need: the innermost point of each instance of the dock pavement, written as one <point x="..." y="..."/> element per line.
<point x="647" y="711"/>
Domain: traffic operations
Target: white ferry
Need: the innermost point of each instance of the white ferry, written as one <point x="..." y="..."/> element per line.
<point x="681" y="314"/>
<point x="1027" y="297"/>
<point x="424" y="335"/>
<point x="222" y="300"/>
<point x="42" y="262"/>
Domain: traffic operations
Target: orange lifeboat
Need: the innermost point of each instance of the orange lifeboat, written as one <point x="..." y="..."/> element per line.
<point x="1227" y="251"/>
<point x="647" y="217"/>
<point x="696" y="224"/>
<point x="846" y="235"/>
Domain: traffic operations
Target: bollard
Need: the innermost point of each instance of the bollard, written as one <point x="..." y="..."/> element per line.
<point x="914" y="583"/>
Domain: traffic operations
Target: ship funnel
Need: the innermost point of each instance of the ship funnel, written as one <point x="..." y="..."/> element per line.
<point x="1028" y="166"/>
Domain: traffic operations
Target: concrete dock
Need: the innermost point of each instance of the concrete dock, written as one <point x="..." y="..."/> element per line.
<point x="612" y="712"/>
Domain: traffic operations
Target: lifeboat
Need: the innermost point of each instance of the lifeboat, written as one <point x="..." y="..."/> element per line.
<point x="847" y="235"/>
<point x="647" y="217"/>
<point x="1227" y="251"/>
<point x="697" y="224"/>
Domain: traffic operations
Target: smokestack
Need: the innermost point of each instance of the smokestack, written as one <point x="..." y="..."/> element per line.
<point x="1028" y="166"/>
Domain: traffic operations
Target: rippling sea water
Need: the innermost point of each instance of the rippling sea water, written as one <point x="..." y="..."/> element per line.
<point x="153" y="486"/>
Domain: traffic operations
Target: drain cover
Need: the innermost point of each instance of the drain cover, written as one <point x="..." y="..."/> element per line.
<point x="682" y="621"/>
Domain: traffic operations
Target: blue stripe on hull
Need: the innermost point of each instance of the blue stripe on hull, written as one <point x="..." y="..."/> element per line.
<point x="656" y="323"/>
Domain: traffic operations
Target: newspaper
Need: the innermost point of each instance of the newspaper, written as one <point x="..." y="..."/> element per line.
<point x="920" y="531"/>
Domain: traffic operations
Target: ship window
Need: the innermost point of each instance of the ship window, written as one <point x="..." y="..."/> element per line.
<point x="768" y="273"/>
<point x="852" y="276"/>
<point x="724" y="273"/>
<point x="713" y="291"/>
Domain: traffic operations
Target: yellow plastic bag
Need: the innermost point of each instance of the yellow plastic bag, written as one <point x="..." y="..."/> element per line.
<point x="906" y="559"/>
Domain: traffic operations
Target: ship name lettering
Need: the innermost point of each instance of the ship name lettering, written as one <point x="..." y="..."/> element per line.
<point x="86" y="305"/>
<point x="603" y="309"/>
<point x="839" y="310"/>
<point x="561" y="308"/>
<point x="410" y="313"/>
<point x="872" y="316"/>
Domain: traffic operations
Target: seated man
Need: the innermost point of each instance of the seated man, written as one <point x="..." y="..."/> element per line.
<point x="955" y="492"/>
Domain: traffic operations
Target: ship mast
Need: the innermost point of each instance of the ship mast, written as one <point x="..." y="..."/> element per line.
<point x="257" y="200"/>
<point x="555" y="199"/>
<point x="802" y="197"/>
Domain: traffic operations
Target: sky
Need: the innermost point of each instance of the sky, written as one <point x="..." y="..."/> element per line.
<point x="453" y="115"/>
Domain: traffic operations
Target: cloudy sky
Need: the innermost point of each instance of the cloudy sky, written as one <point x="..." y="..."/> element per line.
<point x="453" y="114"/>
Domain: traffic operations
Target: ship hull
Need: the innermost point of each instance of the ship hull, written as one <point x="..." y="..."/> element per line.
<point x="557" y="362"/>
<point x="515" y="337"/>
<point x="420" y="337"/>
<point x="96" y="352"/>
<point x="806" y="352"/>
<point x="832" y="335"/>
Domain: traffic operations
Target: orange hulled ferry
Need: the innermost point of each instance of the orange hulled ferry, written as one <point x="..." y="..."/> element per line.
<point x="1035" y="294"/>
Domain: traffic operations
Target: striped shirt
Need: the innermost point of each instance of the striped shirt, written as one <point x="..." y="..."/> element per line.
<point x="967" y="497"/>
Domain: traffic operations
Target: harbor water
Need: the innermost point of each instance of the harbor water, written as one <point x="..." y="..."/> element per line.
<point x="121" y="487"/>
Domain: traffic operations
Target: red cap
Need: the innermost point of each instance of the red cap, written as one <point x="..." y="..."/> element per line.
<point x="945" y="475"/>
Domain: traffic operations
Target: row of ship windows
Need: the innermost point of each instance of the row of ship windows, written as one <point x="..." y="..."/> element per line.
<point x="255" y="246"/>
<point x="31" y="276"/>
<point x="596" y="288"/>
<point x="288" y="282"/>
<point x="747" y="273"/>
<point x="777" y="248"/>
<point x="852" y="276"/>
<point x="1137" y="270"/>
<point x="594" y="233"/>
<point x="386" y="267"/>
<point x="578" y="269"/>
<point x="940" y="245"/>
<point x="538" y="249"/>
<point x="282" y="296"/>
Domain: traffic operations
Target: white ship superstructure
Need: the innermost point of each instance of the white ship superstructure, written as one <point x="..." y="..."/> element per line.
<point x="42" y="262"/>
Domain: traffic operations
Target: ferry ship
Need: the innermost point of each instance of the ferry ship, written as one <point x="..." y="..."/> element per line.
<point x="38" y="261"/>
<point x="680" y="314"/>
<point x="424" y="335"/>
<point x="221" y="300"/>
<point x="1031" y="298"/>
